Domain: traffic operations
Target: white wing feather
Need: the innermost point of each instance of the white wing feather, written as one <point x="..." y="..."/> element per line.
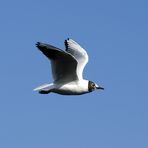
<point x="80" y="55"/>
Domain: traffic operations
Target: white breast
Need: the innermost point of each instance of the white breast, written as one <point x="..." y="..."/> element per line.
<point x="72" y="88"/>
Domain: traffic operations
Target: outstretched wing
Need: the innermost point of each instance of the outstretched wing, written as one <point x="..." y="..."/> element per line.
<point x="63" y="64"/>
<point x="79" y="53"/>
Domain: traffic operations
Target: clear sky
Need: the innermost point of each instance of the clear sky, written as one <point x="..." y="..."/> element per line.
<point x="115" y="35"/>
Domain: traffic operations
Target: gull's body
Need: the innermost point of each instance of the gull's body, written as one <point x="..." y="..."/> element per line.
<point x="67" y="69"/>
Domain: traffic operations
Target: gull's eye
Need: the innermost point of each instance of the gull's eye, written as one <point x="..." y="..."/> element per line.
<point x="93" y="85"/>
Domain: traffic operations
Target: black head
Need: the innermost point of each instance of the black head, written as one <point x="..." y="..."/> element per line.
<point x="93" y="86"/>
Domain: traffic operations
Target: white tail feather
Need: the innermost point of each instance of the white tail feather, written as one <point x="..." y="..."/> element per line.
<point x="44" y="86"/>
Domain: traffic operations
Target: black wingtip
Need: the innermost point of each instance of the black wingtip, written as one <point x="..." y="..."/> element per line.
<point x="66" y="45"/>
<point x="37" y="44"/>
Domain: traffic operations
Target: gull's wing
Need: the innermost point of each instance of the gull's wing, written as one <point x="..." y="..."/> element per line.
<point x="63" y="64"/>
<point x="79" y="53"/>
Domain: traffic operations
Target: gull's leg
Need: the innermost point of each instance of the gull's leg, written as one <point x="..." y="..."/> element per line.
<point x="44" y="91"/>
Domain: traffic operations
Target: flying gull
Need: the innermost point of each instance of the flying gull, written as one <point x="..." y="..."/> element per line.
<point x="67" y="69"/>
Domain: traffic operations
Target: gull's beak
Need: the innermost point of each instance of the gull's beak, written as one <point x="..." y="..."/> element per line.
<point x="99" y="87"/>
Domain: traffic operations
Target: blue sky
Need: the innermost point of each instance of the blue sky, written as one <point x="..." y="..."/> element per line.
<point x="115" y="35"/>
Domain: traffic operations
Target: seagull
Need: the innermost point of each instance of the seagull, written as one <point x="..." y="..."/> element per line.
<point x="67" y="69"/>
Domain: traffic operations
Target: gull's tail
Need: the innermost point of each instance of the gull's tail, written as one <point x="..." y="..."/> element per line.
<point x="44" y="87"/>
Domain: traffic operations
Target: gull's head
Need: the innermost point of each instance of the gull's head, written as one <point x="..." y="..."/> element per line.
<point x="93" y="86"/>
